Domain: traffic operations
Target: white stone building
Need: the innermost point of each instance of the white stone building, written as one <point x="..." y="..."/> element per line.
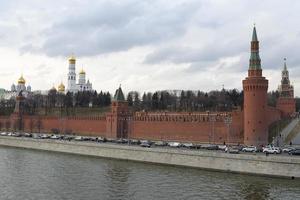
<point x="82" y="84"/>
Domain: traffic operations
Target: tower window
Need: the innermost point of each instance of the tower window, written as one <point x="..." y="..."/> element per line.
<point x="253" y="130"/>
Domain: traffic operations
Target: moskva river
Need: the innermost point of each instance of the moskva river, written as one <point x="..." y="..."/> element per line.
<point x="27" y="174"/>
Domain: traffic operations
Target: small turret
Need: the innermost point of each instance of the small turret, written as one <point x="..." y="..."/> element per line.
<point x="119" y="96"/>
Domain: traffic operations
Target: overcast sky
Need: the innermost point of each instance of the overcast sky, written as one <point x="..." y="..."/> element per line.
<point x="147" y="45"/>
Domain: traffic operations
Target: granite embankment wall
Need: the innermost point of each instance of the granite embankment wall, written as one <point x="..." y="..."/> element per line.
<point x="273" y="165"/>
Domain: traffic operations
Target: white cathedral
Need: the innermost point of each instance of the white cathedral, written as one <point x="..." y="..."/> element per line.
<point x="74" y="87"/>
<point x="16" y="89"/>
<point x="82" y="84"/>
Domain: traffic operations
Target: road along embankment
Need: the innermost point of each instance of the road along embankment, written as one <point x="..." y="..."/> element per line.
<point x="259" y="164"/>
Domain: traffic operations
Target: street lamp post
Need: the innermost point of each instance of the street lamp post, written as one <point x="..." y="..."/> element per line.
<point x="228" y="121"/>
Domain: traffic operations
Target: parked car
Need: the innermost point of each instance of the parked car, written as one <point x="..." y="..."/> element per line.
<point x="295" y="152"/>
<point x="160" y="143"/>
<point x="122" y="141"/>
<point x="174" y="144"/>
<point x="250" y="149"/>
<point x="145" y="143"/>
<point x="45" y="136"/>
<point x="68" y="137"/>
<point x="288" y="149"/>
<point x="55" y="137"/>
<point x="16" y="134"/>
<point x="27" y="135"/>
<point x="101" y="139"/>
<point x="3" y="133"/>
<point x="212" y="147"/>
<point x="9" y="134"/>
<point x="94" y="139"/>
<point x="222" y="147"/>
<point x="134" y="142"/>
<point x="196" y="146"/>
<point x="188" y="145"/>
<point x="272" y="150"/>
<point x="232" y="150"/>
<point x="78" y="138"/>
<point x="271" y="147"/>
<point x="36" y="136"/>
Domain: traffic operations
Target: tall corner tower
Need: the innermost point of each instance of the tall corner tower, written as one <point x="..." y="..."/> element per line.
<point x="255" y="88"/>
<point x="286" y="102"/>
<point x="72" y="75"/>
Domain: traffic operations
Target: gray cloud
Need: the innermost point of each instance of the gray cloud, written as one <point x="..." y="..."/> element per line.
<point x="186" y="38"/>
<point x="110" y="27"/>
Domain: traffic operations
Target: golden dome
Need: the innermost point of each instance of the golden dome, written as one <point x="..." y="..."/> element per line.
<point x="61" y="87"/>
<point x="21" y="80"/>
<point x="82" y="71"/>
<point x="72" y="59"/>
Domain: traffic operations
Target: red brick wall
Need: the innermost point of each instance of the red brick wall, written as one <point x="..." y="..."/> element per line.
<point x="273" y="115"/>
<point x="187" y="128"/>
<point x="287" y="106"/>
<point x="93" y="126"/>
<point x="194" y="127"/>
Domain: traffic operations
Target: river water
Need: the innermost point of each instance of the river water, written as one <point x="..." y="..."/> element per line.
<point x="29" y="174"/>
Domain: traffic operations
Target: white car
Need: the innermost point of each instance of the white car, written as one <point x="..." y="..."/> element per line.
<point x="271" y="150"/>
<point x="174" y="144"/>
<point x="288" y="149"/>
<point x="78" y="138"/>
<point x="188" y="145"/>
<point x="249" y="149"/>
<point x="10" y="134"/>
<point x="45" y="136"/>
<point x="55" y="137"/>
<point x="222" y="147"/>
<point x="3" y="133"/>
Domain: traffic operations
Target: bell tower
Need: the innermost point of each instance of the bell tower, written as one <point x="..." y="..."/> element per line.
<point x="255" y="88"/>
<point x="72" y="75"/>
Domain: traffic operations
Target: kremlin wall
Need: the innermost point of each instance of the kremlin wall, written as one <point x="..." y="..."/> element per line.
<point x="248" y="125"/>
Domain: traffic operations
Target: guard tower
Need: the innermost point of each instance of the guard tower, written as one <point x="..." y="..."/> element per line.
<point x="255" y="99"/>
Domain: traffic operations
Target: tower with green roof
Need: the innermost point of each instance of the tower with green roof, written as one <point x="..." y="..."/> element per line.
<point x="255" y="88"/>
<point x="118" y="120"/>
<point x="286" y="102"/>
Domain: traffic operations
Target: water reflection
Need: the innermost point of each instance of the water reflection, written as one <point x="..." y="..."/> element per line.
<point x="117" y="180"/>
<point x="255" y="191"/>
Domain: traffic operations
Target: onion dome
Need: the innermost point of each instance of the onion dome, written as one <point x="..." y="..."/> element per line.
<point x="21" y="80"/>
<point x="72" y="59"/>
<point x="61" y="87"/>
<point x="53" y="89"/>
<point x="82" y="72"/>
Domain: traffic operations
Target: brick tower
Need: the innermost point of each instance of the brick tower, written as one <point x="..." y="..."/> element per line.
<point x="17" y="116"/>
<point x="117" y="121"/>
<point x="255" y="88"/>
<point x="286" y="102"/>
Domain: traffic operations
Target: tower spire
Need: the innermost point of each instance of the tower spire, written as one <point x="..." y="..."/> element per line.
<point x="254" y="35"/>
<point x="284" y="65"/>
<point x="254" y="62"/>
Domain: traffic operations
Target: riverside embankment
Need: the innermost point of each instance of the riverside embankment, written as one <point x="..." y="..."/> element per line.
<point x="272" y="165"/>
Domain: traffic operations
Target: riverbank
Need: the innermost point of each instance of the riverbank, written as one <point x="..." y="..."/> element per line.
<point x="272" y="165"/>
